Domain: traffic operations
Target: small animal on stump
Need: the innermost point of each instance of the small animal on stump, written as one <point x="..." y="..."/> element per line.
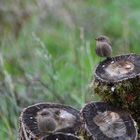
<point x="103" y="46"/>
<point x="46" y="122"/>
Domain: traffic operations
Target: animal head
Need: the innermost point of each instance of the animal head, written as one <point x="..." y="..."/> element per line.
<point x="103" y="38"/>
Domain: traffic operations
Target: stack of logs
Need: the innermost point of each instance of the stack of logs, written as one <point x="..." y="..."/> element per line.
<point x="116" y="117"/>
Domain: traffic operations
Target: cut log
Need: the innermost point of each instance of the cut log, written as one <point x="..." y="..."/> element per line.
<point x="117" y="80"/>
<point x="67" y="120"/>
<point x="104" y="122"/>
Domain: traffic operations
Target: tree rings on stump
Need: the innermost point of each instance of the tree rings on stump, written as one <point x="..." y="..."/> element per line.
<point x="104" y="122"/>
<point x="43" y="119"/>
<point x="117" y="80"/>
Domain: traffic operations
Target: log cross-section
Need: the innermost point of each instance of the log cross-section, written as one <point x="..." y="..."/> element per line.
<point x="104" y="122"/>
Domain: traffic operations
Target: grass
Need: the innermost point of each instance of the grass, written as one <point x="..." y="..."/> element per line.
<point x="53" y="57"/>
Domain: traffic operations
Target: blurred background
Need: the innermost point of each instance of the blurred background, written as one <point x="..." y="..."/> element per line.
<point x="47" y="50"/>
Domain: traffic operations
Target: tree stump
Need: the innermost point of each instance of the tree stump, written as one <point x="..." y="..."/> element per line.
<point x="104" y="122"/>
<point x="67" y="120"/>
<point x="117" y="80"/>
